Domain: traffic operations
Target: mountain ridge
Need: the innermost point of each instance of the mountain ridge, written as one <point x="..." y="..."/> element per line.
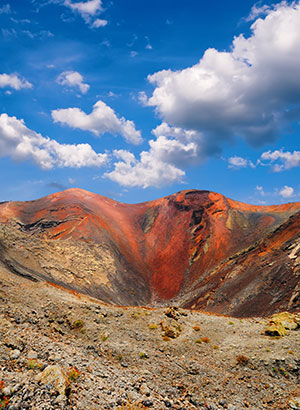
<point x="174" y="249"/>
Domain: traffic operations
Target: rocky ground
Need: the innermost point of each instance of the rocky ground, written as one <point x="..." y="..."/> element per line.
<point x="61" y="350"/>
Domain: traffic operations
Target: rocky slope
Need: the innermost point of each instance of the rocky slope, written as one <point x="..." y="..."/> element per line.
<point x="194" y="249"/>
<point x="63" y="350"/>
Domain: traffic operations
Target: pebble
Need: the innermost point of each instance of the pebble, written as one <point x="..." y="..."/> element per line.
<point x="144" y="389"/>
<point x="32" y="355"/>
<point x="15" y="354"/>
<point x="147" y="403"/>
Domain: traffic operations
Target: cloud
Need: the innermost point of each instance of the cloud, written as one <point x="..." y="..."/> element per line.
<point x="99" y="23"/>
<point x="21" y="143"/>
<point x="14" y="81"/>
<point x="20" y="21"/>
<point x="257" y="11"/>
<point x="185" y="147"/>
<point x="148" y="45"/>
<point x="88" y="10"/>
<point x="148" y="171"/>
<point x="8" y="33"/>
<point x="260" y="190"/>
<point x="133" y="53"/>
<point x="236" y="162"/>
<point x="133" y="41"/>
<point x="101" y="120"/>
<point x="250" y="92"/>
<point x="5" y="9"/>
<point x="73" y="79"/>
<point x="41" y="34"/>
<point x="286" y="192"/>
<point x="85" y="9"/>
<point x="282" y="193"/>
<point x="281" y="160"/>
<point x="105" y="43"/>
<point x="172" y="150"/>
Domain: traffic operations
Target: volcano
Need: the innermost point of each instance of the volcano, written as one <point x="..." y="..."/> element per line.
<point x="195" y="249"/>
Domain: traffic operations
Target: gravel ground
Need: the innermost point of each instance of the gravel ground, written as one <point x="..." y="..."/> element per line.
<point x="107" y="357"/>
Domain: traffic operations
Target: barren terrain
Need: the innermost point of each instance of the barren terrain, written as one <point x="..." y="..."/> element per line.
<point x="121" y="357"/>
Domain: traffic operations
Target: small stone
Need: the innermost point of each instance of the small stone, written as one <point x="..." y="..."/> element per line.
<point x="147" y="403"/>
<point x="132" y="396"/>
<point x="295" y="403"/>
<point x="15" y="388"/>
<point x="32" y="355"/>
<point x="61" y="399"/>
<point x="7" y="391"/>
<point x="15" y="354"/>
<point x="144" y="389"/>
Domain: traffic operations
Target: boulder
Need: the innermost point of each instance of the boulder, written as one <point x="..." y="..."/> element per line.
<point x="56" y="376"/>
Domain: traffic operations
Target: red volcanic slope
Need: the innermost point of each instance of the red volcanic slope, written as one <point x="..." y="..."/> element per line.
<point x="171" y="243"/>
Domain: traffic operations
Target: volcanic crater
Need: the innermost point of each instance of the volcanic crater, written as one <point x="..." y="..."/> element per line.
<point x="194" y="249"/>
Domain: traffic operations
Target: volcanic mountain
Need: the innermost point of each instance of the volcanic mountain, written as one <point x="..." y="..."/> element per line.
<point x="195" y="249"/>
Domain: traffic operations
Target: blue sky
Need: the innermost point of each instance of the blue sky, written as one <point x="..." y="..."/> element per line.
<point x="139" y="99"/>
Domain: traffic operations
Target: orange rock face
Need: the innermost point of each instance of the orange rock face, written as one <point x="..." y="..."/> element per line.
<point x="193" y="248"/>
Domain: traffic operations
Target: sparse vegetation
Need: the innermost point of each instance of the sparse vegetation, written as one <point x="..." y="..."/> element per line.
<point x="173" y="313"/>
<point x="104" y="337"/>
<point x="171" y="330"/>
<point x="78" y="324"/>
<point x="284" y="372"/>
<point x="33" y="364"/>
<point x="143" y="355"/>
<point x="73" y="374"/>
<point x="4" y="400"/>
<point x="242" y="360"/>
<point x="152" y="326"/>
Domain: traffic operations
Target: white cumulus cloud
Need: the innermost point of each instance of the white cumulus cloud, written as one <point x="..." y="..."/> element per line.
<point x="249" y="92"/>
<point x="85" y="8"/>
<point x="101" y="120"/>
<point x="99" y="23"/>
<point x="172" y="150"/>
<point x="236" y="162"/>
<point x="282" y="160"/>
<point x="286" y="192"/>
<point x="88" y="11"/>
<point x="21" y="143"/>
<point x="146" y="172"/>
<point x="73" y="79"/>
<point x="14" y="81"/>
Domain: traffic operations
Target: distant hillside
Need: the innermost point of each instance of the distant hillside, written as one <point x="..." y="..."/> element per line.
<point x="195" y="249"/>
